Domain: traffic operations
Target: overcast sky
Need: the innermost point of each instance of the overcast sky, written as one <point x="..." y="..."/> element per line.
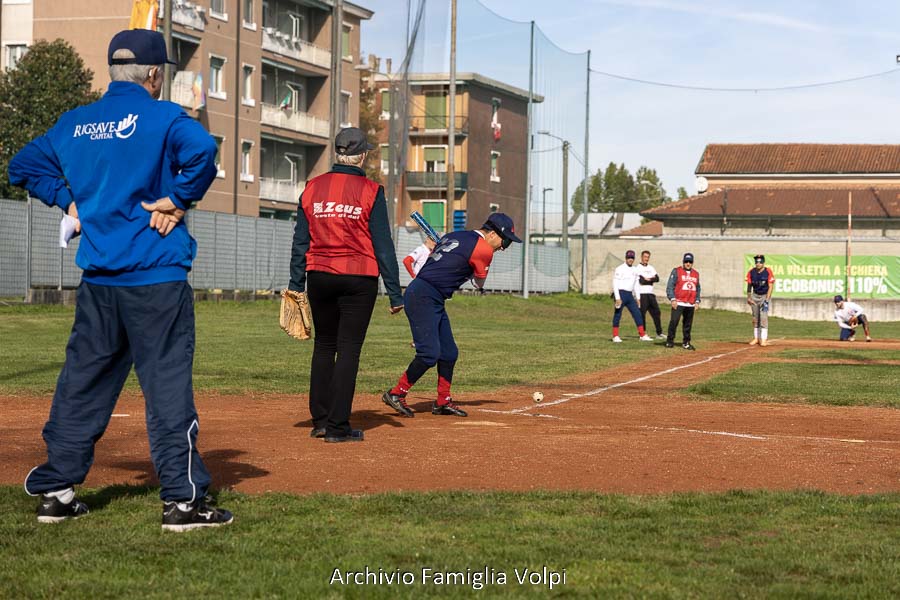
<point x="711" y="43"/>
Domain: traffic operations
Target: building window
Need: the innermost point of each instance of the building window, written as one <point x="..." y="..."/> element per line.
<point x="435" y="159"/>
<point x="14" y="53"/>
<point x="386" y="159"/>
<point x="385" y="104"/>
<point x="345" y="42"/>
<point x="246" y="164"/>
<point x="220" y="172"/>
<point x="436" y="110"/>
<point x="345" y="109"/>
<point x="434" y="213"/>
<point x="217" y="77"/>
<point x="249" y="17"/>
<point x="495" y="118"/>
<point x="247" y="98"/>
<point x="495" y="166"/>
<point x="298" y="26"/>
<point x="217" y="9"/>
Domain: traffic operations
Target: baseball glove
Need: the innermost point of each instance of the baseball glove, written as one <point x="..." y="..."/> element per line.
<point x="296" y="316"/>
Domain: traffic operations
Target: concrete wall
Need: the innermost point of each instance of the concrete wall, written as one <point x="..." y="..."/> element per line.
<point x="720" y="262"/>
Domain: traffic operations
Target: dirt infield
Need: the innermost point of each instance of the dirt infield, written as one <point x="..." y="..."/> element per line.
<point x="612" y="431"/>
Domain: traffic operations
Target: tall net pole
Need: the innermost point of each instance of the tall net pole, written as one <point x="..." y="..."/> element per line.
<point x="451" y="126"/>
<point x="528" y="143"/>
<point x="584" y="205"/>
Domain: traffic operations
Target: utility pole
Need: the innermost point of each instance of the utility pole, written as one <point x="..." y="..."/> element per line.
<point x="451" y="126"/>
<point x="528" y="144"/>
<point x="167" y="68"/>
<point x="565" y="196"/>
<point x="544" y="214"/>
<point x="337" y="51"/>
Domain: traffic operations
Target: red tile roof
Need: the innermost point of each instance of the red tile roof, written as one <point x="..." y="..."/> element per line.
<point x="649" y="229"/>
<point x="877" y="203"/>
<point x="775" y="159"/>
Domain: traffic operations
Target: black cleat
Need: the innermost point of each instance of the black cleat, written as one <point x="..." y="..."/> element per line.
<point x="670" y="345"/>
<point x="398" y="403"/>
<point x="317" y="432"/>
<point x="51" y="510"/>
<point x="354" y="436"/>
<point x="184" y="516"/>
<point x="448" y="409"/>
<point x="688" y="347"/>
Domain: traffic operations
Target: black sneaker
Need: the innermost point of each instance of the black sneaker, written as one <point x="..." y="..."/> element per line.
<point x="670" y="345"/>
<point x="448" y="409"/>
<point x="355" y="435"/>
<point x="398" y="403"/>
<point x="688" y="347"/>
<point x="51" y="510"/>
<point x="184" y="516"/>
<point x="317" y="432"/>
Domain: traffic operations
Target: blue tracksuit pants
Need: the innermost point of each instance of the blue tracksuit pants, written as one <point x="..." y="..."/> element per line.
<point x="631" y="304"/>
<point x="152" y="328"/>
<point x="430" y="326"/>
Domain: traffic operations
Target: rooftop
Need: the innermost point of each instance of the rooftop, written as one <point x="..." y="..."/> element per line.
<point x="796" y="159"/>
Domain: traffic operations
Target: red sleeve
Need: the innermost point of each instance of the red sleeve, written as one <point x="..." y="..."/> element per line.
<point x="408" y="263"/>
<point x="749" y="280"/>
<point x="481" y="258"/>
<point x="771" y="275"/>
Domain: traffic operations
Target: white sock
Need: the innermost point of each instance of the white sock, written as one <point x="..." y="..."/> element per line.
<point x="755" y="333"/>
<point x="65" y="496"/>
<point x="763" y="333"/>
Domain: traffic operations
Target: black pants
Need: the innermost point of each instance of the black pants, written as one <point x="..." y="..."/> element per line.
<point x="677" y="313"/>
<point x="649" y="303"/>
<point x="341" y="309"/>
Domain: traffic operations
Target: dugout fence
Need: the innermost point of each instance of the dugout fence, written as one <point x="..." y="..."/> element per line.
<point x="235" y="253"/>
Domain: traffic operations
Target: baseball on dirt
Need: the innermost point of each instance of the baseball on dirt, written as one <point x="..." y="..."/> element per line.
<point x="537" y="396"/>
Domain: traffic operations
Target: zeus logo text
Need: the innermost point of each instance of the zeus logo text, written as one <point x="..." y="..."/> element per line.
<point x="333" y="209"/>
<point x="107" y="129"/>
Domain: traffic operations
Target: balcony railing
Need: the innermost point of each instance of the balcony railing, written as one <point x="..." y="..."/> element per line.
<point x="282" y="190"/>
<point x="426" y="124"/>
<point x="282" y="43"/>
<point x="421" y="179"/>
<point x="183" y="89"/>
<point x="294" y="120"/>
<point x="188" y="14"/>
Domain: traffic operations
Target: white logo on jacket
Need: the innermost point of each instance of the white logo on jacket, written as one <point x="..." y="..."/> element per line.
<point x="124" y="129"/>
<point x="333" y="209"/>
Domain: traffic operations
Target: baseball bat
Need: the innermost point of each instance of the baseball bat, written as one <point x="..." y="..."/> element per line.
<point x="425" y="226"/>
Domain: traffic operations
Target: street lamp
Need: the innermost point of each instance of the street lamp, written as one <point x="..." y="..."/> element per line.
<point x="544" y="215"/>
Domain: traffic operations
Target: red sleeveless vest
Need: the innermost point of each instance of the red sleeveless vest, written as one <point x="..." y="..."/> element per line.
<point x="337" y="207"/>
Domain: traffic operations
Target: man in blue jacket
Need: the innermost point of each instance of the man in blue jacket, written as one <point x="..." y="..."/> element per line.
<point x="127" y="168"/>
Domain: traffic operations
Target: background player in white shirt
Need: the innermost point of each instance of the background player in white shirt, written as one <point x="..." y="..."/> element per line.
<point x="647" y="276"/>
<point x="415" y="259"/>
<point x="625" y="291"/>
<point x="848" y="315"/>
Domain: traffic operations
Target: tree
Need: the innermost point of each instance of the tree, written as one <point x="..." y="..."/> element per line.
<point x="615" y="189"/>
<point x="682" y="193"/>
<point x="48" y="81"/>
<point x="371" y="124"/>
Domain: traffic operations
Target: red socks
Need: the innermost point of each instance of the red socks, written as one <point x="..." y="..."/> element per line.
<point x="402" y="387"/>
<point x="443" y="391"/>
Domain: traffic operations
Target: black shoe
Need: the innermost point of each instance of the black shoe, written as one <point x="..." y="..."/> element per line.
<point x="354" y="436"/>
<point x="448" y="409"/>
<point x="670" y="345"/>
<point x="184" y="516"/>
<point x="398" y="403"/>
<point x="317" y="432"/>
<point x="688" y="347"/>
<point x="51" y="510"/>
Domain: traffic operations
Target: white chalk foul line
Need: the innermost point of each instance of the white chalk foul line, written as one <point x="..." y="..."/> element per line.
<point x="725" y="433"/>
<point x="771" y="436"/>
<point x="570" y="397"/>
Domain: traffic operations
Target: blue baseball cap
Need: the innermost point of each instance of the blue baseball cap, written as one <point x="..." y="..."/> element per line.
<point x="688" y="257"/>
<point x="629" y="254"/>
<point x="148" y="47"/>
<point x="503" y="226"/>
<point x="838" y="298"/>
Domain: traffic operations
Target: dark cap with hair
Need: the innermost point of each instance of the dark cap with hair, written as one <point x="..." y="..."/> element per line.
<point x="838" y="298"/>
<point x="148" y="47"/>
<point x="352" y="142"/>
<point x="502" y="225"/>
<point x="688" y="257"/>
<point x="760" y="258"/>
<point x="629" y="254"/>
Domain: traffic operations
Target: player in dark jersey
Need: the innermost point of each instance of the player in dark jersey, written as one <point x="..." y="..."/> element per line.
<point x="459" y="257"/>
<point x="760" y="283"/>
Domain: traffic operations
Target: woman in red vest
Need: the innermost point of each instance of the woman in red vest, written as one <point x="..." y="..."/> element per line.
<point x="683" y="291"/>
<point x="342" y="243"/>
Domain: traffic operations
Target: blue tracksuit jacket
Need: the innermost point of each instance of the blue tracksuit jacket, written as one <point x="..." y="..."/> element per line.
<point x="109" y="156"/>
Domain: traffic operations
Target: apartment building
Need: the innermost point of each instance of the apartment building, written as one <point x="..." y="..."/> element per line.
<point x="491" y="133"/>
<point x="256" y="73"/>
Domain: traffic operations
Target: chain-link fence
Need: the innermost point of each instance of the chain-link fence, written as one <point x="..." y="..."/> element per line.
<point x="234" y="253"/>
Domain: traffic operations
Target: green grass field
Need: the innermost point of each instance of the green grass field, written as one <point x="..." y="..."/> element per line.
<point x="760" y="544"/>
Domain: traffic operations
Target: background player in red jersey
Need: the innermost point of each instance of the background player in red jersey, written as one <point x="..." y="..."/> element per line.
<point x="342" y="243"/>
<point x="459" y="257"/>
<point x="683" y="291"/>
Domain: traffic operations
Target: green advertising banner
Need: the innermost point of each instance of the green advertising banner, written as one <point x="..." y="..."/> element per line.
<point x="820" y="276"/>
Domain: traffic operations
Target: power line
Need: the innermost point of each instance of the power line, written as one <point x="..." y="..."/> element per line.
<point x="750" y="89"/>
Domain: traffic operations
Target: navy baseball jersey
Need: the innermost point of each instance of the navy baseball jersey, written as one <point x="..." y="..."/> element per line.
<point x="760" y="280"/>
<point x="458" y="257"/>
